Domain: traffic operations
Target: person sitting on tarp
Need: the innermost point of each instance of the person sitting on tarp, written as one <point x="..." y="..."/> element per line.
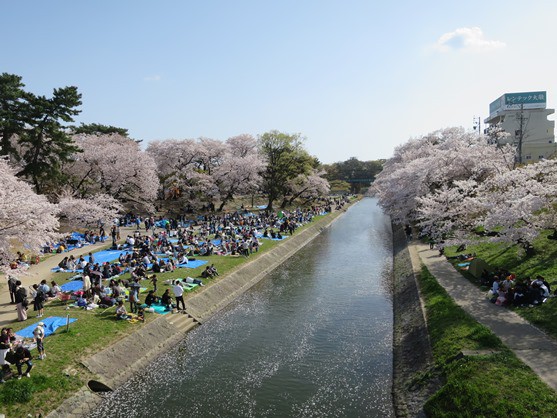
<point x="151" y="298"/>
<point x="63" y="264"/>
<point x="166" y="299"/>
<point x="55" y="289"/>
<point x="81" y="302"/>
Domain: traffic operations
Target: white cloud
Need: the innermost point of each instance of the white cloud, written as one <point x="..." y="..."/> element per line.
<point x="152" y="78"/>
<point x="467" y="39"/>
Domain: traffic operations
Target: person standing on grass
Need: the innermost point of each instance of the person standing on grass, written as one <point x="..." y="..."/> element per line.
<point x="154" y="280"/>
<point x="179" y="295"/>
<point x="38" y="334"/>
<point x="39" y="298"/>
<point x="134" y="296"/>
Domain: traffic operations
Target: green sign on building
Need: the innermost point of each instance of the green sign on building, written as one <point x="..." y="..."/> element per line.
<point x="527" y="100"/>
<point x="530" y="98"/>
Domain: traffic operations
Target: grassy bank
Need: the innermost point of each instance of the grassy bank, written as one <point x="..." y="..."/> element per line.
<point x="512" y="258"/>
<point x="61" y="374"/>
<point x="494" y="385"/>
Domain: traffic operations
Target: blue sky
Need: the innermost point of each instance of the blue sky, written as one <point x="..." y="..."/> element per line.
<point x="356" y="78"/>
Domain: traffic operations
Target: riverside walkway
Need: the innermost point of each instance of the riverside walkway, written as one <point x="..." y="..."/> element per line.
<point x="35" y="274"/>
<point x="532" y="346"/>
<point x="42" y="270"/>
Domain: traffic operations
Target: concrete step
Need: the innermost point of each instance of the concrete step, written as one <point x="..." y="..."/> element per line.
<point x="181" y="322"/>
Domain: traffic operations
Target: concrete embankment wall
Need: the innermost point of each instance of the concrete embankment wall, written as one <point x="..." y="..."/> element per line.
<point x="118" y="362"/>
<point x="411" y="347"/>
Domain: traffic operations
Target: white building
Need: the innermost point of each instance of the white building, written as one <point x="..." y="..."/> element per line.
<point x="524" y="117"/>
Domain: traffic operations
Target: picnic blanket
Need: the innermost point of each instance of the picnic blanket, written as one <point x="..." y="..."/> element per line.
<point x="260" y="235"/>
<point x="193" y="264"/>
<point x="107" y="255"/>
<point x="51" y="324"/>
<point x="72" y="286"/>
<point x="160" y="309"/>
<point x="58" y="269"/>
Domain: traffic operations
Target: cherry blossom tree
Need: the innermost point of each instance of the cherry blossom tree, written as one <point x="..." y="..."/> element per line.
<point x="90" y="210"/>
<point x="434" y="164"/>
<point x="27" y="220"/>
<point x="456" y="185"/>
<point x="178" y="166"/>
<point x="240" y="168"/>
<point x="520" y="203"/>
<point x="115" y="165"/>
<point x="207" y="170"/>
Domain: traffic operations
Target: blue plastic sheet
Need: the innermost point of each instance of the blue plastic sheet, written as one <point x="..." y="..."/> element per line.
<point x="193" y="264"/>
<point x="51" y="324"/>
<point x="72" y="286"/>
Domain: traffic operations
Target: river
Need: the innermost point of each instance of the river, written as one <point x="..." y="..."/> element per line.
<point x="313" y="339"/>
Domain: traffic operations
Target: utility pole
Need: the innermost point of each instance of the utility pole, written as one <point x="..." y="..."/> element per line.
<point x="520" y="132"/>
<point x="478" y="124"/>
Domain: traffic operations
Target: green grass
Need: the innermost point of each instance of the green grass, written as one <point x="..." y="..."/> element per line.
<point x="62" y="374"/>
<point x="496" y="385"/>
<point x="512" y="258"/>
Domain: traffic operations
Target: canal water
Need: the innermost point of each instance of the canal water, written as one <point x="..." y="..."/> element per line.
<point x="313" y="339"/>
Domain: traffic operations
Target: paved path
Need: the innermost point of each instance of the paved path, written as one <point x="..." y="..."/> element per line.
<point x="38" y="272"/>
<point x="532" y="346"/>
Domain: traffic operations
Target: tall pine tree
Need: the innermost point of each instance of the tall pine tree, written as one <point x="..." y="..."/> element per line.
<point x="45" y="143"/>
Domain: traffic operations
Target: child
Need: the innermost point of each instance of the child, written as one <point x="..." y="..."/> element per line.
<point x="38" y="335"/>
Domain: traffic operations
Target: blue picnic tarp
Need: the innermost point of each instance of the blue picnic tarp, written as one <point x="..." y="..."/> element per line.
<point x="51" y="324"/>
<point x="107" y="255"/>
<point x="193" y="264"/>
<point x="72" y="286"/>
<point x="160" y="309"/>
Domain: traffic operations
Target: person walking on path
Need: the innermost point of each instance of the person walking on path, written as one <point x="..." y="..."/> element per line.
<point x="179" y="295"/>
<point x="12" y="287"/>
<point x="21" y="301"/>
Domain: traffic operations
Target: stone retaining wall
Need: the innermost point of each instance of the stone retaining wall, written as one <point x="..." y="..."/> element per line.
<point x="412" y="356"/>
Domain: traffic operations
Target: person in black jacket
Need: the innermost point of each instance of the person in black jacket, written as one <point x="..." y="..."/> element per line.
<point x="21" y="301"/>
<point x="12" y="288"/>
<point x="23" y="356"/>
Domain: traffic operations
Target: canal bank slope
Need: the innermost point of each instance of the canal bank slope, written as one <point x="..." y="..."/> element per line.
<point x="412" y="356"/>
<point x="118" y="362"/>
